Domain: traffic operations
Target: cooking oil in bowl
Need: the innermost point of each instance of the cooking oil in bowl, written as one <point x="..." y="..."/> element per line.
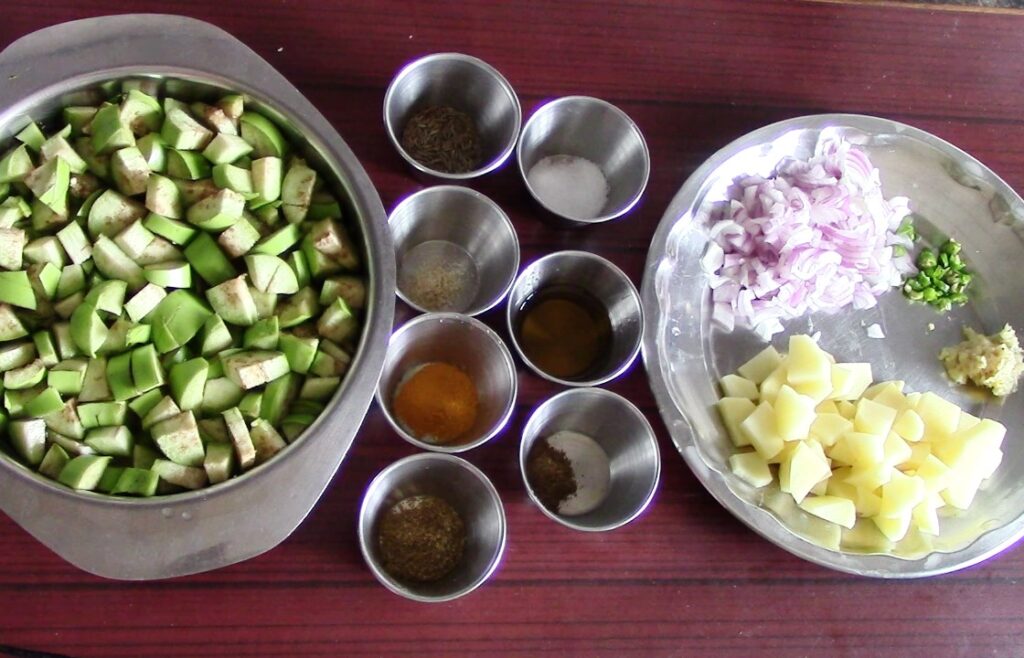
<point x="565" y="331"/>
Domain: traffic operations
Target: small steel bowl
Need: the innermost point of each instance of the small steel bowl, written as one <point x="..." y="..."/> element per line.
<point x="462" y="342"/>
<point x="619" y="428"/>
<point x="463" y="487"/>
<point x="467" y="84"/>
<point x="601" y="279"/>
<point x="469" y="220"/>
<point x="598" y="131"/>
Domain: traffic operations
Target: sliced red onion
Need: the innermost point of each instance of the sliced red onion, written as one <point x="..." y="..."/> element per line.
<point x="816" y="236"/>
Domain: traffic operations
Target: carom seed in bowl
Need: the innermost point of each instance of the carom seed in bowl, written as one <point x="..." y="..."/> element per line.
<point x="456" y="250"/>
<point x="583" y="160"/>
<point x="432" y="527"/>
<point x="452" y="116"/>
<point x="589" y="459"/>
<point x="449" y="383"/>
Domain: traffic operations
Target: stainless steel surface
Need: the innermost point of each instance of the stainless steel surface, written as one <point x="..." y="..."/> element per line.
<point x="602" y="279"/>
<point x="199" y="531"/>
<point x="951" y="194"/>
<point x="624" y="434"/>
<point x="467" y="84"/>
<point x="470" y="220"/>
<point x="463" y="342"/>
<point x="598" y="131"/>
<point x="463" y="487"/>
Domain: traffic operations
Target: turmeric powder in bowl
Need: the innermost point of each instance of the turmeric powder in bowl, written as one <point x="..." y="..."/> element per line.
<point x="437" y="403"/>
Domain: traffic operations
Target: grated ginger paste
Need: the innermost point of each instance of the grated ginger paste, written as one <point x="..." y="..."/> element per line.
<point x="994" y="362"/>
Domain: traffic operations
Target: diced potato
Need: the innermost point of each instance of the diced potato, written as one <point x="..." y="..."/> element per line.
<point x="784" y="454"/>
<point x="919" y="452"/>
<point x="968" y="449"/>
<point x="761" y="430"/>
<point x="733" y="412"/>
<point x="817" y="390"/>
<point x="826" y="407"/>
<point x="891" y="395"/>
<point x="894" y="528"/>
<point x="865" y="536"/>
<point x="763" y="364"/>
<point x="734" y="386"/>
<point x="873" y="418"/>
<point x="831" y="508"/>
<point x="940" y="416"/>
<point x="849" y="380"/>
<point x="900" y="495"/>
<point x="827" y="428"/>
<point x="751" y="468"/>
<point x="960" y="491"/>
<point x="925" y="516"/>
<point x="772" y="383"/>
<point x="857" y="448"/>
<point x="909" y="425"/>
<point x="807" y="362"/>
<point x="896" y="450"/>
<point x="820" y="488"/>
<point x="966" y="421"/>
<point x="806" y="467"/>
<point x="846" y="409"/>
<point x="868" y="477"/>
<point x="912" y="399"/>
<point x="836" y="486"/>
<point x="794" y="413"/>
<point x="871" y="391"/>
<point x="988" y="463"/>
<point x="934" y="474"/>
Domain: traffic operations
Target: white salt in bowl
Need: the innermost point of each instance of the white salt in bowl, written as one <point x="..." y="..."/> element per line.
<point x="598" y="131"/>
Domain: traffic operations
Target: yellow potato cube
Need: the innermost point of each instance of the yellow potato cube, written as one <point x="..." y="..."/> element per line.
<point x="925" y="517"/>
<point x="873" y="418"/>
<point x="849" y="380"/>
<point x="897" y="451"/>
<point x="846" y="409"/>
<point x="867" y="503"/>
<point x="859" y="449"/>
<point x="733" y="412"/>
<point x="987" y="432"/>
<point x="866" y="537"/>
<point x="962" y="488"/>
<point x="821" y="488"/>
<point x="973" y="449"/>
<point x="871" y="391"/>
<point x="806" y="467"/>
<point x="734" y="386"/>
<point x="909" y="425"/>
<point x="826" y="407"/>
<point x="758" y="368"/>
<point x="966" y="421"/>
<point x="751" y="468"/>
<point x="940" y="416"/>
<point x="989" y="462"/>
<point x="891" y="395"/>
<point x="817" y="391"/>
<point x="838" y="510"/>
<point x="918" y="453"/>
<point x="808" y="363"/>
<point x="868" y="478"/>
<point x="785" y="453"/>
<point x="794" y="413"/>
<point x="934" y="473"/>
<point x="772" y="383"/>
<point x="827" y="428"/>
<point x="912" y="400"/>
<point x="901" y="494"/>
<point x="893" y="527"/>
<point x="837" y="486"/>
<point x="761" y="430"/>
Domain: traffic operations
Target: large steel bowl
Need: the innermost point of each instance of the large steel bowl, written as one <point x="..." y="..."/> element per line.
<point x="198" y="531"/>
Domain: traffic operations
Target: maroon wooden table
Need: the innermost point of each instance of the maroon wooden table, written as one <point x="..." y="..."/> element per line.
<point x="686" y="578"/>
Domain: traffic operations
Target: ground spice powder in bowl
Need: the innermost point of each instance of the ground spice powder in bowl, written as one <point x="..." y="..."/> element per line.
<point x="550" y="474"/>
<point x="422" y="539"/>
<point x="437" y="403"/>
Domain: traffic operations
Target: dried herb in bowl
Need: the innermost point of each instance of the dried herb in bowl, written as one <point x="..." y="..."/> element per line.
<point x="443" y="139"/>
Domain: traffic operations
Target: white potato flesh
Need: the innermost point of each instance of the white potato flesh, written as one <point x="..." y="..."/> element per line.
<point x="871" y="391"/>
<point x="751" y="468"/>
<point x="794" y="413"/>
<point x="733" y="412"/>
<point x="940" y="416"/>
<point x="817" y="390"/>
<point x="873" y="418"/>
<point x="806" y="467"/>
<point x="896" y="450"/>
<point x="846" y="409"/>
<point x="919" y="452"/>
<point x="909" y="425"/>
<point x="827" y="428"/>
<point x="734" y="386"/>
<point x="901" y="494"/>
<point x="960" y="491"/>
<point x="894" y="528"/>
<point x="807" y="362"/>
<point x="772" y="383"/>
<point x="850" y="380"/>
<point x="761" y="430"/>
<point x="925" y="517"/>
<point x="858" y="448"/>
<point x="826" y="407"/>
<point x="891" y="395"/>
<point x="934" y="473"/>
<point x="840" y="511"/>
<point x="763" y="364"/>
